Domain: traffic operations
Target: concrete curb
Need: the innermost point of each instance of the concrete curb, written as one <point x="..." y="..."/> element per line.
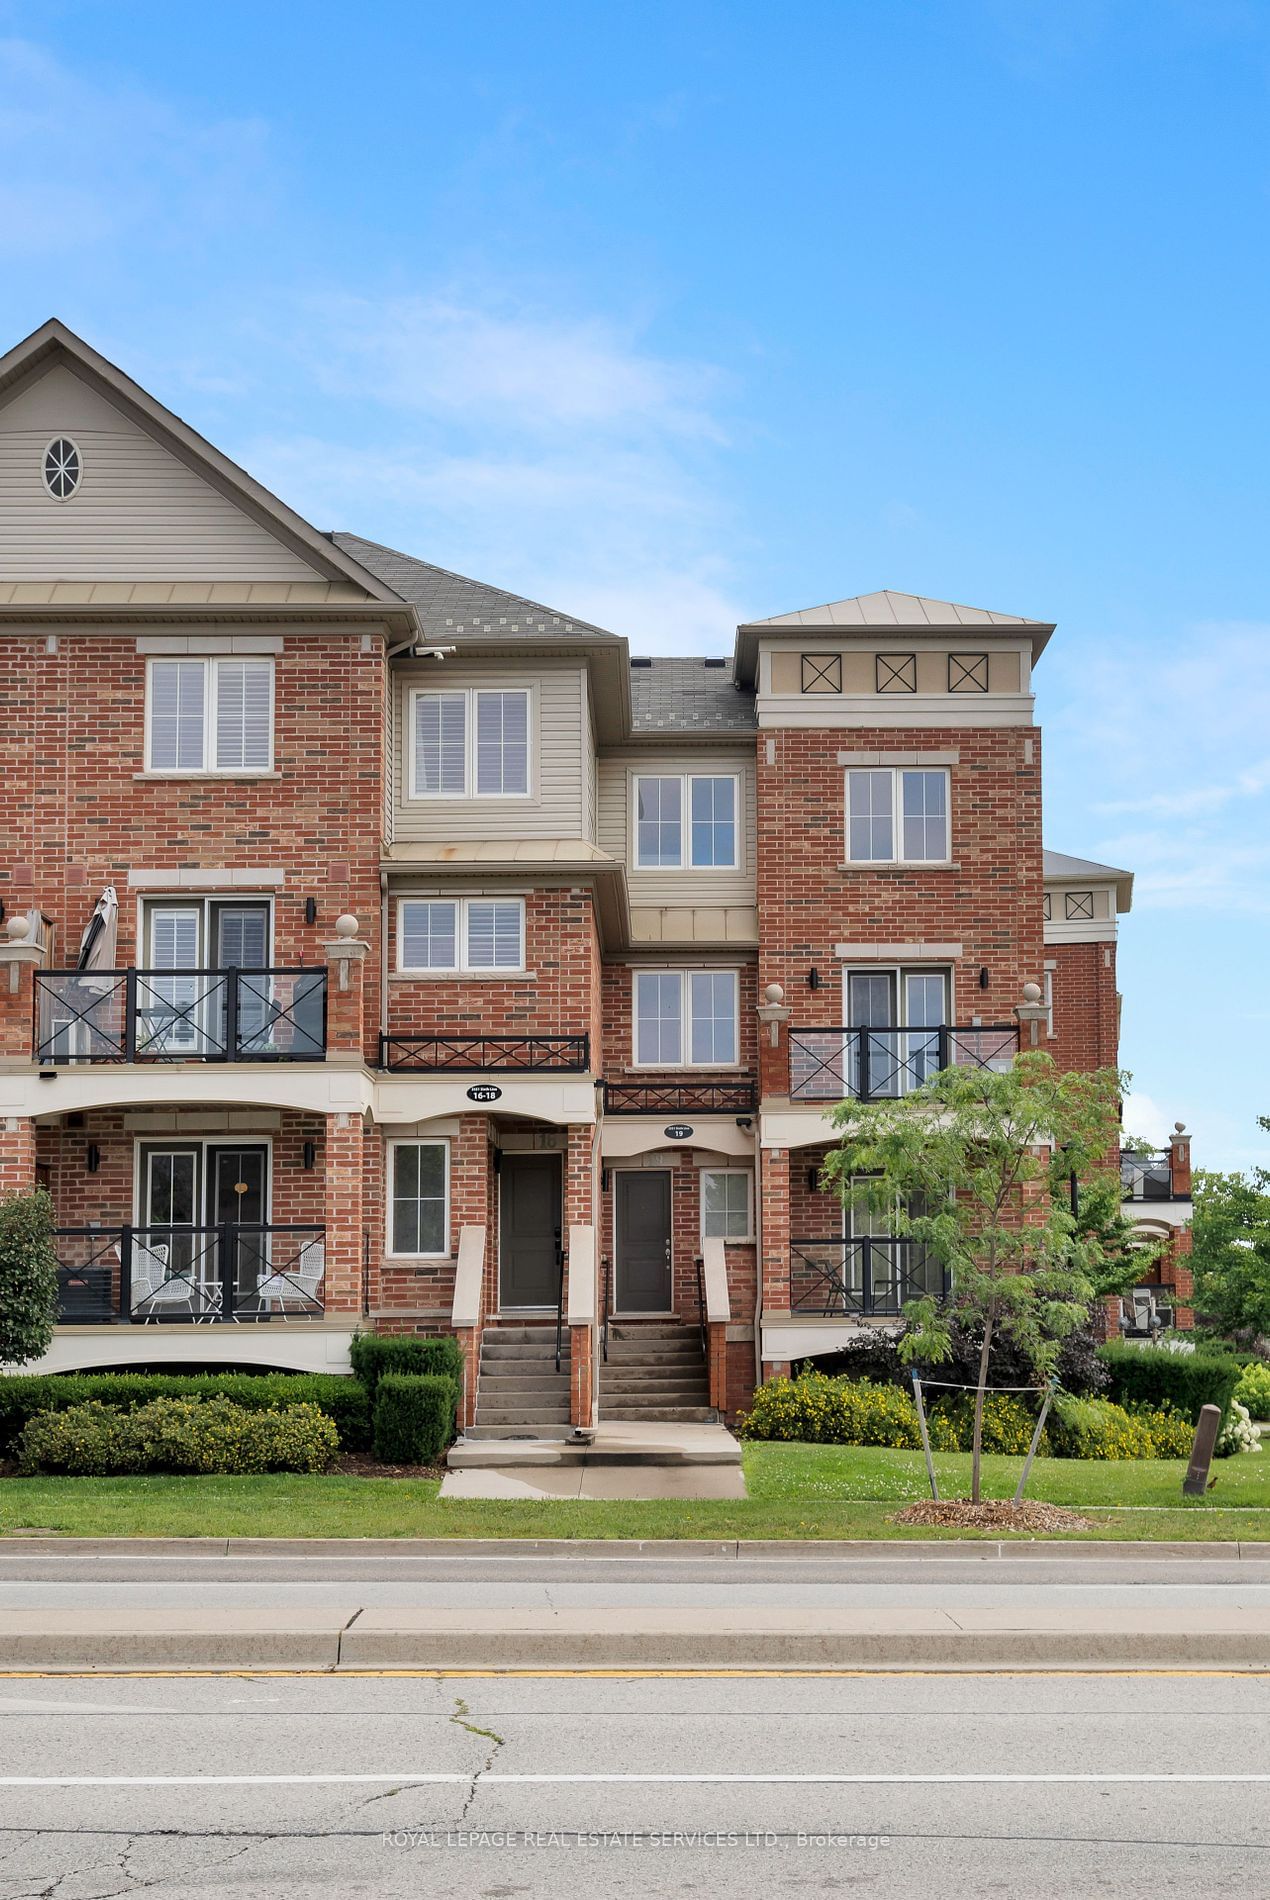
<point x="821" y="1550"/>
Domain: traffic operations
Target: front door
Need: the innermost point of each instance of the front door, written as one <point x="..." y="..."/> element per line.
<point x="529" y="1224"/>
<point x="237" y="1191"/>
<point x="643" y="1248"/>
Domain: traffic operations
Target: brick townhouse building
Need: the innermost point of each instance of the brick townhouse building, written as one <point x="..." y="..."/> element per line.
<point x="384" y="950"/>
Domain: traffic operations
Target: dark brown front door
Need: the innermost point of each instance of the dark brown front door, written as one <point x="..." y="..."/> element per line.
<point x="643" y="1240"/>
<point x="529" y="1229"/>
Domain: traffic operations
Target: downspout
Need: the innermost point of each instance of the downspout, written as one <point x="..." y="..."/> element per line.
<point x="383" y="955"/>
<point x="758" y="1250"/>
<point x="596" y="1210"/>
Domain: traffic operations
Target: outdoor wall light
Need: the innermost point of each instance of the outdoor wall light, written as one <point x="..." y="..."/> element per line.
<point x="984" y="978"/>
<point x="745" y="1121"/>
<point x="92" y="1157"/>
<point x="604" y="1180"/>
<point x="813" y="979"/>
<point x="813" y="1180"/>
<point x="310" y="910"/>
<point x="308" y="1154"/>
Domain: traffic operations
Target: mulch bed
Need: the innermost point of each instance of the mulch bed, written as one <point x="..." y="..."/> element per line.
<point x="993" y="1515"/>
<point x="360" y="1464"/>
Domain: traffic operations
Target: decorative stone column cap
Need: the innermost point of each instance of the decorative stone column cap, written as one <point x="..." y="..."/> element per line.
<point x="1032" y="1012"/>
<point x="773" y="1011"/>
<point x="22" y="942"/>
<point x="1180" y="1138"/>
<point x="348" y="947"/>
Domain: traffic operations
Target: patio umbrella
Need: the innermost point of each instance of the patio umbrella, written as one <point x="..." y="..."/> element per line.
<point x="98" y="943"/>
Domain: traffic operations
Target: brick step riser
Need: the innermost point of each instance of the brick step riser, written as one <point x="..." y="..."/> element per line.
<point x="659" y="1415"/>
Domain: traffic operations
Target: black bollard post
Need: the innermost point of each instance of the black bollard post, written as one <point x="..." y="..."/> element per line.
<point x="1195" y="1483"/>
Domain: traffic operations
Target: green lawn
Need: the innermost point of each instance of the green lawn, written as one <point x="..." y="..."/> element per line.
<point x="796" y="1491"/>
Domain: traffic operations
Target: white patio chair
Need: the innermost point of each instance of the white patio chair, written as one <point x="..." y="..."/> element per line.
<point x="299" y="1282"/>
<point x="152" y="1286"/>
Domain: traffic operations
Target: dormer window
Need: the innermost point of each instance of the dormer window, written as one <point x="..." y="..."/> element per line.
<point x="62" y="468"/>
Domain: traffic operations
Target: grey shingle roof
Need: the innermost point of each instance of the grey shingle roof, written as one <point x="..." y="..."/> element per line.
<point x="672" y="695"/>
<point x="450" y="605"/>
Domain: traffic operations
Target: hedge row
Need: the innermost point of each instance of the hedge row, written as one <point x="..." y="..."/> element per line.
<point x="374" y="1354"/>
<point x="414" y="1417"/>
<point x="177" y="1434"/>
<point x="346" y="1402"/>
<point x="1153" y="1376"/>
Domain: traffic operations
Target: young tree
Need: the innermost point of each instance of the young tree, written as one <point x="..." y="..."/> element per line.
<point x="974" y="1167"/>
<point x="1230" y="1243"/>
<point x="28" y="1277"/>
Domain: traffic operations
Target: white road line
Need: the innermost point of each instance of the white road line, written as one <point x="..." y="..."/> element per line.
<point x="454" y="1778"/>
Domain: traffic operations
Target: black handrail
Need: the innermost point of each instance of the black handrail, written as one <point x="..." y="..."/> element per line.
<point x="880" y="1062"/>
<point x="701" y="1307"/>
<point x="680" y="1098"/>
<point x="208" y="1275"/>
<point x="862" y="1274"/>
<point x="607" y="1264"/>
<point x="483" y="1055"/>
<point x="560" y="1259"/>
<point x="277" y="1014"/>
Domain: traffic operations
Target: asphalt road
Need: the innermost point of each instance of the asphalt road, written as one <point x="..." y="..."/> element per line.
<point x="622" y="1766"/>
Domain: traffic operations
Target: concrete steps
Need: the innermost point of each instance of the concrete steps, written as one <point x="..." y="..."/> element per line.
<point x="655" y="1373"/>
<point x="518" y="1390"/>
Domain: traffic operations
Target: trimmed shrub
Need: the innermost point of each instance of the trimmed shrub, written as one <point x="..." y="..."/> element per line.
<point x="189" y="1435"/>
<point x="414" y="1417"/>
<point x="1098" y="1428"/>
<point x="374" y="1354"/>
<point x="28" y="1277"/>
<point x="345" y="1401"/>
<point x="816" y="1410"/>
<point x="1253" y="1390"/>
<point x="875" y="1355"/>
<point x="1008" y="1424"/>
<point x="1153" y="1376"/>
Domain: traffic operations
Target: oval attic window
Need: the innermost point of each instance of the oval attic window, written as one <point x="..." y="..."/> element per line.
<point x="61" y="468"/>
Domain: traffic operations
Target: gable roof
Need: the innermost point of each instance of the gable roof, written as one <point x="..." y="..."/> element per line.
<point x="889" y="609"/>
<point x="1060" y="868"/>
<point x="450" y="604"/>
<point x="54" y="343"/>
<point x="674" y="695"/>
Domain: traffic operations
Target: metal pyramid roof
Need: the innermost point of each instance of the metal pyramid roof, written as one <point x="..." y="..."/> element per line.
<point x="891" y="609"/>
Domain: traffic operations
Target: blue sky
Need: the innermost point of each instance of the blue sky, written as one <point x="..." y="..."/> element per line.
<point x="673" y="315"/>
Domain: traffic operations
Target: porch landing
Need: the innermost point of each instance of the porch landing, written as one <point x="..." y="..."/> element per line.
<point x="641" y="1446"/>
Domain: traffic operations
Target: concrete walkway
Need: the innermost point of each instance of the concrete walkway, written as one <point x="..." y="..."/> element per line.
<point x="620" y="1460"/>
<point x="122" y="1606"/>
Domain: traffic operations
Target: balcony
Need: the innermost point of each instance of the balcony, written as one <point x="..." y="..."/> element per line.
<point x="680" y="1098"/>
<point x="180" y="1016"/>
<point x="869" y="1065"/>
<point x="198" y="1275"/>
<point x="482" y="1055"/>
<point x="1148" y="1177"/>
<point x="870" y="1276"/>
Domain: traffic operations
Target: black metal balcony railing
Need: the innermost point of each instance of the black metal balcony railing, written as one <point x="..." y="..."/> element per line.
<point x="180" y="1015"/>
<point x="868" y="1275"/>
<point x="1147" y="1177"/>
<point x="680" y="1098"/>
<point x="479" y="1055"/>
<point x="827" y="1065"/>
<point x="233" y="1271"/>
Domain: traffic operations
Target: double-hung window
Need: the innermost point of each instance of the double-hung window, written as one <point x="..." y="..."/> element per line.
<point x="686" y="821"/>
<point x="897" y="816"/>
<point x="470" y="742"/>
<point x="209" y="715"/>
<point x="727" y="1196"/>
<point x="419" y="1197"/>
<point x="470" y="934"/>
<point x="686" y="1018"/>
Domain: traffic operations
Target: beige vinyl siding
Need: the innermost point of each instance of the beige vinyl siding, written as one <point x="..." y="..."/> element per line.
<point x="590" y="791"/>
<point x="555" y="807"/>
<point x="693" y="886"/>
<point x="139" y="512"/>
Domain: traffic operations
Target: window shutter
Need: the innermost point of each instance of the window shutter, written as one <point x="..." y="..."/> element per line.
<point x="244" y="715"/>
<point x="502" y="744"/>
<point x="440" y="745"/>
<point x="176" y="715"/>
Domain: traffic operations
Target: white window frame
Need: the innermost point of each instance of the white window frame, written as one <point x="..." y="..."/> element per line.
<point x="685" y="973"/>
<point x="730" y="1240"/>
<point x="897" y="776"/>
<point x="1047" y="997"/>
<point x="470" y="695"/>
<point x="462" y="967"/>
<point x="415" y="1141"/>
<point x="686" y="781"/>
<point x="208" y="768"/>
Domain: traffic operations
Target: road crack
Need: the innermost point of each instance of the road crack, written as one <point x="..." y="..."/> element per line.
<point x="460" y="1720"/>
